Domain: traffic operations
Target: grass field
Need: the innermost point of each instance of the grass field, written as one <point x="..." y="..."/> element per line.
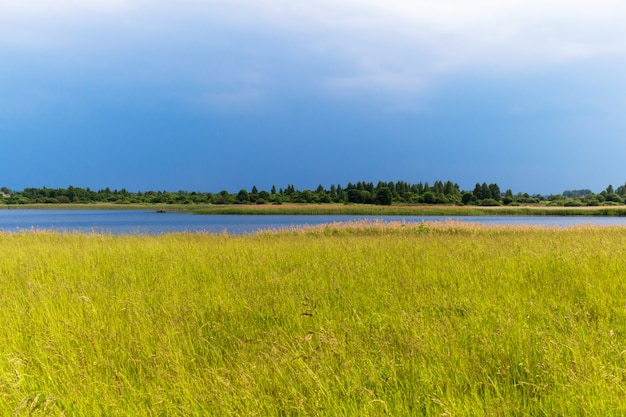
<point x="363" y="319"/>
<point x="334" y="209"/>
<point x="409" y="210"/>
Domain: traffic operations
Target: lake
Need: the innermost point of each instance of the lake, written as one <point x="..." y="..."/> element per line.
<point x="151" y="222"/>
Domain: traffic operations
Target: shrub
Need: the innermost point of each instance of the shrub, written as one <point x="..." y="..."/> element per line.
<point x="489" y="202"/>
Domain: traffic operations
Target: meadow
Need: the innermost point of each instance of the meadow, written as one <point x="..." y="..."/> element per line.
<point x="360" y="319"/>
<point x="335" y="209"/>
<point x="406" y="210"/>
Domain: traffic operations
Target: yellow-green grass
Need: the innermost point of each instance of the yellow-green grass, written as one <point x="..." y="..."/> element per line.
<point x="337" y="209"/>
<point x="407" y="210"/>
<point x="358" y="319"/>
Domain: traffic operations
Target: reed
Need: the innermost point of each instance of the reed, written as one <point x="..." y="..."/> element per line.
<point x="339" y="209"/>
<point x="367" y="318"/>
<point x="407" y="210"/>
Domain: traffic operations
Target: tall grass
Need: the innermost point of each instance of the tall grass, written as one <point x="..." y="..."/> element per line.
<point x="359" y="319"/>
<point x="406" y="210"/>
<point x="339" y="209"/>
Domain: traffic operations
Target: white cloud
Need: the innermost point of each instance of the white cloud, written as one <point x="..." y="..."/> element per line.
<point x="404" y="44"/>
<point x="393" y="45"/>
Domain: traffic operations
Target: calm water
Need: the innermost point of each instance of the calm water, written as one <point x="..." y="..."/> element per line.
<point x="151" y="222"/>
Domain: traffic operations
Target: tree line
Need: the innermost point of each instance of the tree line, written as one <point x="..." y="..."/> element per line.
<point x="381" y="193"/>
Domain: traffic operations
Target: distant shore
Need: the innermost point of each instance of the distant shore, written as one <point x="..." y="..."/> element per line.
<point x="334" y="209"/>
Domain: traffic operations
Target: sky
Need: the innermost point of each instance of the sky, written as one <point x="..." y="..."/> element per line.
<point x="211" y="95"/>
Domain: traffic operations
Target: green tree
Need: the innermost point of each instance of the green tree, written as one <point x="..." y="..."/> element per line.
<point x="333" y="192"/>
<point x="355" y="196"/>
<point x="449" y="188"/>
<point x="383" y="196"/>
<point x="438" y="187"/>
<point x="223" y="197"/>
<point x="494" y="190"/>
<point x="243" y="196"/>
<point x="307" y="196"/>
<point x="429" y="197"/>
<point x="614" y="197"/>
<point x="508" y="197"/>
<point x="478" y="191"/>
<point x="467" y="198"/>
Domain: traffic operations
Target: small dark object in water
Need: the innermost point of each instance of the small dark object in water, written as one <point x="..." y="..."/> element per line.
<point x="161" y="211"/>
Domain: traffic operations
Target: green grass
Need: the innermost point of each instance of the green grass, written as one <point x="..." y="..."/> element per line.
<point x="353" y="320"/>
<point x="335" y="209"/>
<point x="407" y="210"/>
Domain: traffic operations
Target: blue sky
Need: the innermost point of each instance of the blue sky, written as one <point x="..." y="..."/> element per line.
<point x="210" y="95"/>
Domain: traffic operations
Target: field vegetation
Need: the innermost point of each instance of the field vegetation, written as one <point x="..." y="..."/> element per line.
<point x="341" y="209"/>
<point x="407" y="210"/>
<point x="360" y="319"/>
<point x="361" y="193"/>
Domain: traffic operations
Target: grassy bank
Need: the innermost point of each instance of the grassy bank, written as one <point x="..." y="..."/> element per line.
<point x="350" y="209"/>
<point x="423" y="210"/>
<point x="360" y="319"/>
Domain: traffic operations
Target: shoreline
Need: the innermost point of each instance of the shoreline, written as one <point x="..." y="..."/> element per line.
<point x="335" y="209"/>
